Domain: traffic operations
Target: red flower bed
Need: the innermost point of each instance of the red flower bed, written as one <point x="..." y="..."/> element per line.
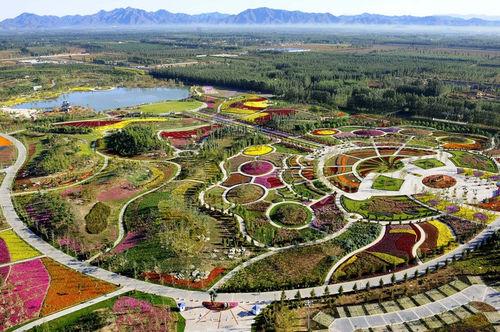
<point x="431" y="237"/>
<point x="91" y="124"/>
<point x="269" y="181"/>
<point x="308" y="173"/>
<point x="169" y="279"/>
<point x="235" y="179"/>
<point x="397" y="244"/>
<point x="201" y="132"/>
<point x="368" y="132"/>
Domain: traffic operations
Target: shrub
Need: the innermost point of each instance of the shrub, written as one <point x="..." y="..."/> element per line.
<point x="135" y="140"/>
<point x="97" y="218"/>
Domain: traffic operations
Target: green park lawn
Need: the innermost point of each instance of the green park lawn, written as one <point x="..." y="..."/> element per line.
<point x="170" y="107"/>
<point x="428" y="163"/>
<point x="383" y="182"/>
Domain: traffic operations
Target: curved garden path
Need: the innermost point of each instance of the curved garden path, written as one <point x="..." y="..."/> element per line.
<point x="194" y="297"/>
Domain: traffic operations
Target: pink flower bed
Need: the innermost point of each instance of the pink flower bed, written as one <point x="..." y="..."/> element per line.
<point x="130" y="241"/>
<point x="344" y="135"/>
<point x="70" y="243"/>
<point x="368" y="132"/>
<point x="4" y="252"/>
<point x="257" y="167"/>
<point x="269" y="181"/>
<point x="25" y="290"/>
<point x="91" y="124"/>
<point x="327" y="216"/>
<point x="140" y="315"/>
<point x="118" y="192"/>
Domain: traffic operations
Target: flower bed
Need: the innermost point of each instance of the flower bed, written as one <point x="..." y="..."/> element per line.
<point x="117" y="192"/>
<point x="390" y="130"/>
<point x="390" y="208"/>
<point x="68" y="287"/>
<point x="397" y="241"/>
<point x="346" y="182"/>
<point x="236" y="178"/>
<point x="17" y="249"/>
<point x="416" y="132"/>
<point x="256" y="168"/>
<point x="463" y="229"/>
<point x="91" y="123"/>
<point x="137" y="315"/>
<point x="197" y="133"/>
<point x="23" y="293"/>
<point x="308" y="173"/>
<point x="132" y="239"/>
<point x="168" y="279"/>
<point x="472" y="160"/>
<point x="327" y="216"/>
<point x="270" y="181"/>
<point x="4" y="252"/>
<point x="368" y="132"/>
<point x="383" y="182"/>
<point x="384" y="164"/>
<point x="245" y="193"/>
<point x="325" y="132"/>
<point x="439" y="181"/>
<point x="362" y="153"/>
<point x="258" y="150"/>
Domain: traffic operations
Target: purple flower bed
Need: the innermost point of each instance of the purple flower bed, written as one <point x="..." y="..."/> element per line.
<point x="4" y="252"/>
<point x="257" y="167"/>
<point x="368" y="132"/>
<point x="452" y="209"/>
<point x="495" y="178"/>
<point x="480" y="217"/>
<point x="327" y="216"/>
<point x="127" y="304"/>
<point x="390" y="129"/>
<point x="433" y="202"/>
<point x="478" y="174"/>
<point x="270" y="181"/>
<point x="134" y="315"/>
<point x="131" y="240"/>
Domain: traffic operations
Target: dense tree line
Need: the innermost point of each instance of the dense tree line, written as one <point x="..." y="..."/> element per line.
<point x="135" y="140"/>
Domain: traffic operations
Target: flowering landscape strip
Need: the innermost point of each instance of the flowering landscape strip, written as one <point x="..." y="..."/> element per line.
<point x="4" y="252"/>
<point x="68" y="287"/>
<point x="270" y="181"/>
<point x="23" y="293"/>
<point x="169" y="279"/>
<point x="18" y="249"/>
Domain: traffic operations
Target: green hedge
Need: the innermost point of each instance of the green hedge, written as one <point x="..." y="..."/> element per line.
<point x="97" y="218"/>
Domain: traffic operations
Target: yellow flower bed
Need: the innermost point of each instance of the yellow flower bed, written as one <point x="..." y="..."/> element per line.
<point x="391" y="259"/>
<point x="258" y="150"/>
<point x="445" y="236"/>
<point x="402" y="230"/>
<point x="18" y="249"/>
<point x="239" y="111"/>
<point x="259" y="104"/>
<point x="325" y="132"/>
<point x="251" y="118"/>
<point x="124" y="123"/>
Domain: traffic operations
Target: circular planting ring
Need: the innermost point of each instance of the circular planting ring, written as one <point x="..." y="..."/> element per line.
<point x="439" y="181"/>
<point x="257" y="168"/>
<point x="368" y="132"/>
<point x="290" y="215"/>
<point x="383" y="164"/>
<point x="258" y="150"/>
<point x="325" y="132"/>
<point x="245" y="194"/>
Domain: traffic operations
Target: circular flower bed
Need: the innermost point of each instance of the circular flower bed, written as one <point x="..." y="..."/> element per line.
<point x="290" y="214"/>
<point x="325" y="132"/>
<point x="258" y="150"/>
<point x="257" y="167"/>
<point x="245" y="193"/>
<point x="391" y="130"/>
<point x="439" y="181"/>
<point x="368" y="132"/>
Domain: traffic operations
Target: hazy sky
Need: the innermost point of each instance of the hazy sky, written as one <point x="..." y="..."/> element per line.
<point x="337" y="7"/>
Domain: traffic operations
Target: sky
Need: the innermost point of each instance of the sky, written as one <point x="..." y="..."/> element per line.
<point x="478" y="8"/>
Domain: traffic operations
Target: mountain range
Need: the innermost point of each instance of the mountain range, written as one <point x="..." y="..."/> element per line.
<point x="259" y="16"/>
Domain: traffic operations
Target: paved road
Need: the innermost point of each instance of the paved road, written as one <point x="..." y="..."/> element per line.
<point x="192" y="298"/>
<point x="480" y="293"/>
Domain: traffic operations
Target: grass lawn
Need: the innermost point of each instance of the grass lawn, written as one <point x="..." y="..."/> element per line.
<point x="170" y="107"/>
<point x="428" y="163"/>
<point x="383" y="182"/>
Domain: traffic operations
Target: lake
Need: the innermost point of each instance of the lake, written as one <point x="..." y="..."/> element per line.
<point x="110" y="99"/>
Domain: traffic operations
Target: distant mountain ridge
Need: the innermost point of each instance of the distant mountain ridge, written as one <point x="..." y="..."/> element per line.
<point x="261" y="16"/>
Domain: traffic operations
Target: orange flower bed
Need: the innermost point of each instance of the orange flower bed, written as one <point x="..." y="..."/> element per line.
<point x="462" y="146"/>
<point x="168" y="279"/>
<point x="69" y="288"/>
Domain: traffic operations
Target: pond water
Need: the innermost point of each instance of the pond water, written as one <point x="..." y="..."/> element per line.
<point x="111" y="99"/>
